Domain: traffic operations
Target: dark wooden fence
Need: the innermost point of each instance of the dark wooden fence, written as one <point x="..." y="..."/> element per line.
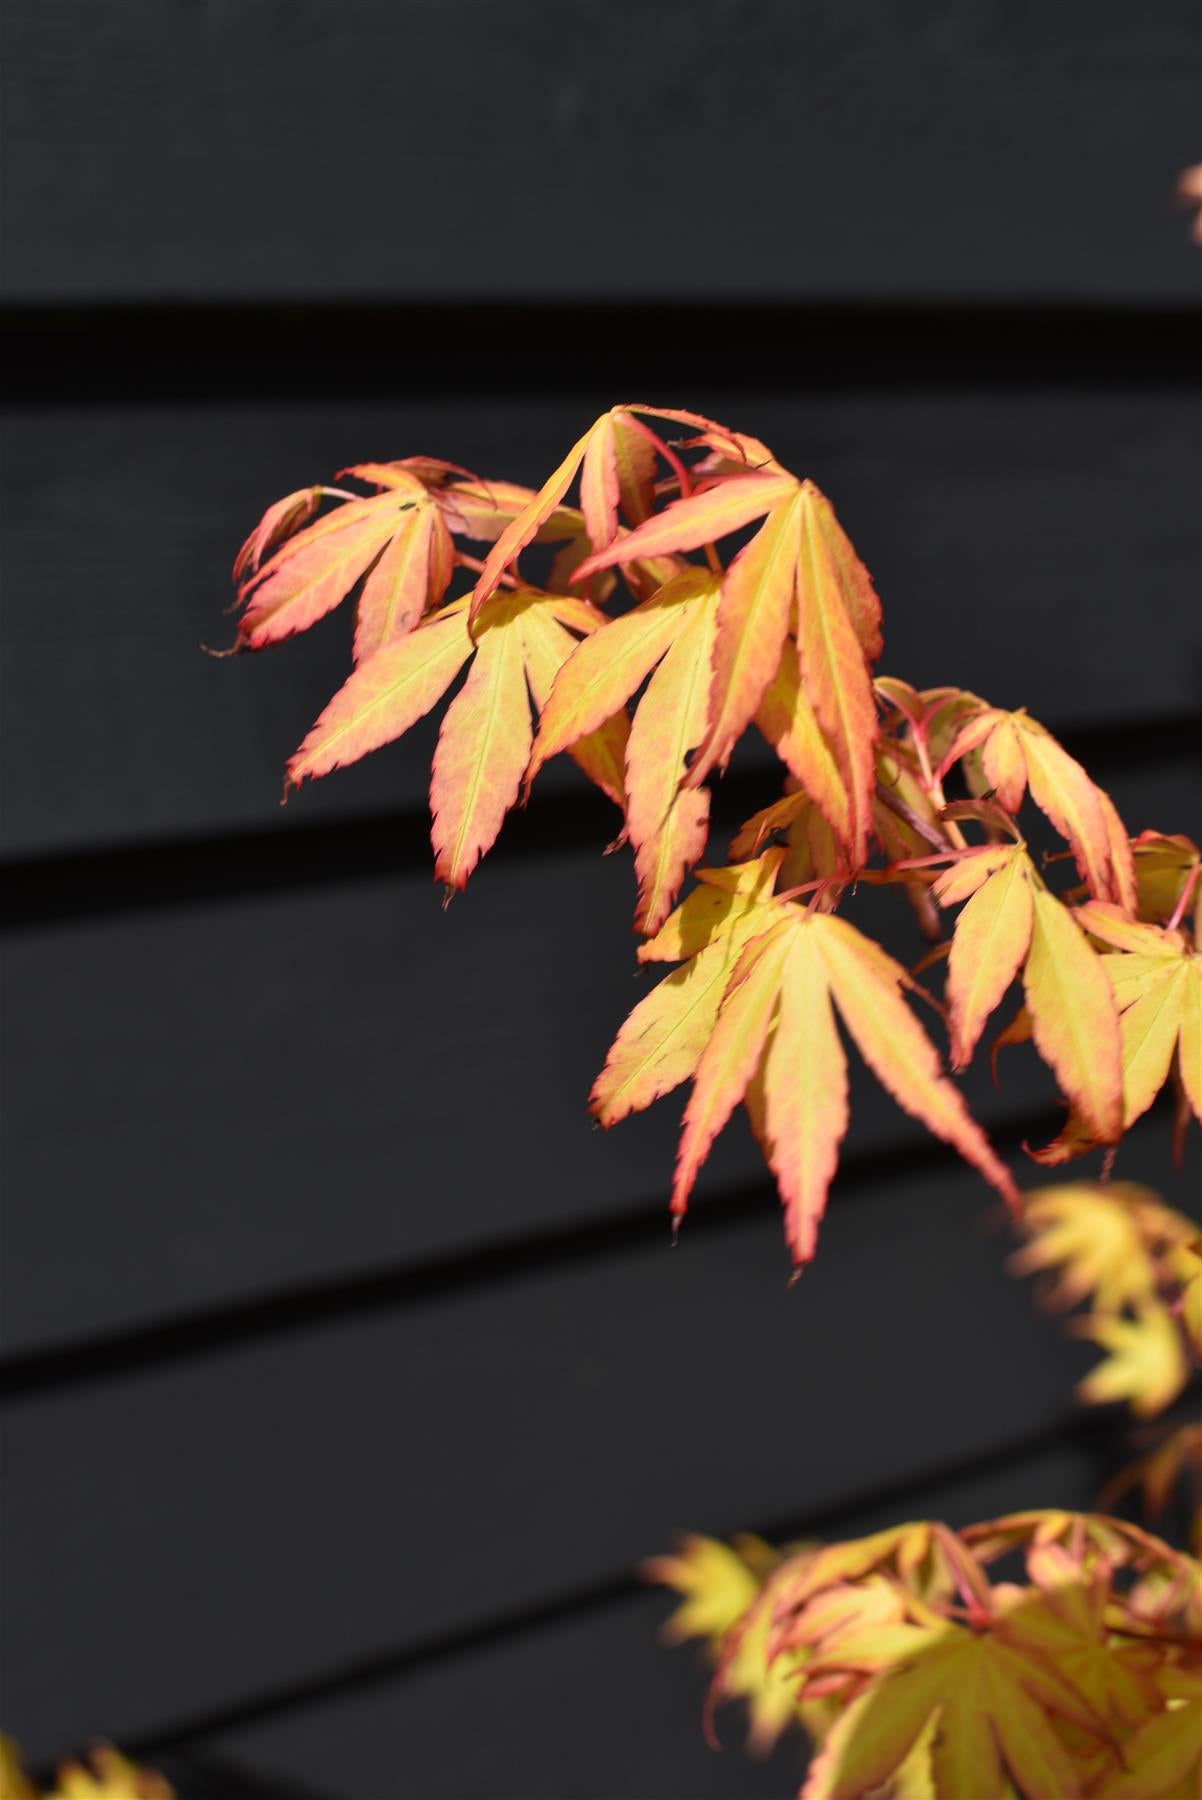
<point x="347" y="1374"/>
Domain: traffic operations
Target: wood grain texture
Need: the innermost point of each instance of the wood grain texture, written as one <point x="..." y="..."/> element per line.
<point x="156" y="147"/>
<point x="993" y="521"/>
<point x="313" y="1088"/>
<point x="256" y="1517"/>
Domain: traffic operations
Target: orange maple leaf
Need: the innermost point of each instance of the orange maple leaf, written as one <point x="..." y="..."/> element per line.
<point x="484" y="743"/>
<point x="799" y="574"/>
<point x="397" y="542"/>
<point x="671" y="634"/>
<point x="397" y="539"/>
<point x="615" y="460"/>
<point x="759" y="1026"/>
<point x="1017" y="753"/>
<point x="1155" y="973"/>
<point x="1012" y="922"/>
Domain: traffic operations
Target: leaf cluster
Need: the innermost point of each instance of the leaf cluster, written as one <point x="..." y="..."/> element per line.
<point x="103" y="1774"/>
<point x="1138" y="1265"/>
<point x="698" y="590"/>
<point x="1132" y="1267"/>
<point x="1041" y="1656"/>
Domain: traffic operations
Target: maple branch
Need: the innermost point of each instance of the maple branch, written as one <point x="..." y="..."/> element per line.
<point x="674" y="462"/>
<point x="1183" y="902"/>
<point x="932" y="782"/>
<point x="680" y="470"/>
<point x="908" y="816"/>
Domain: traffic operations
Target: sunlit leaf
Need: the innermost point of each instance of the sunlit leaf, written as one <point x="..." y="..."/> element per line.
<point x="484" y="744"/>
<point x="794" y="960"/>
<point x="1027" y="755"/>
<point x="1074" y="1019"/>
<point x="1144" y="1365"/>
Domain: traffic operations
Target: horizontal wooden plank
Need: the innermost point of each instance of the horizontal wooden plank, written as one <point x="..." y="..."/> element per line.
<point x="196" y="1775"/>
<point x="592" y="1705"/>
<point x="256" y="1518"/>
<point x="313" y="1088"/>
<point x="179" y="351"/>
<point x="165" y="149"/>
<point x="1014" y="536"/>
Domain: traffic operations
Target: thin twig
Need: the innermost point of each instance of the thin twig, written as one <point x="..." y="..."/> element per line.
<point x="906" y="813"/>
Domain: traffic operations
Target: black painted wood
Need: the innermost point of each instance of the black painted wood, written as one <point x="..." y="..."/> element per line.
<point x="592" y="1705"/>
<point x="307" y="1090"/>
<point x="348" y="1373"/>
<point x="719" y="147"/>
<point x="162" y="354"/>
<point x="262" y="1515"/>
<point x="1013" y="532"/>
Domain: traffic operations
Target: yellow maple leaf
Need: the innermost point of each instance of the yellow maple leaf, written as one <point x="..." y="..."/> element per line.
<point x="991" y="1700"/>
<point x="1145" y="1363"/>
<point x="1164" y="1758"/>
<point x="103" y="1774"/>
<point x="1100" y="1238"/>
<point x="720" y="1584"/>
<point x="1016" y="753"/>
<point x="14" y="1783"/>
<point x="521" y="641"/>
<point x="1117" y="1246"/>
<point x="760" y="1028"/>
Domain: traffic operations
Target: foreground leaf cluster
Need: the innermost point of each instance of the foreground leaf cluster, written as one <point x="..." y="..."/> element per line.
<point x="104" y="1774"/>
<point x="696" y="591"/>
<point x="1132" y="1268"/>
<point x="1138" y="1265"/>
<point x="1042" y="1656"/>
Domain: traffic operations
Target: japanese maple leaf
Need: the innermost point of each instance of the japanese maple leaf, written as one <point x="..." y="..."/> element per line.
<point x="812" y="858"/>
<point x="671" y="634"/>
<point x="899" y="1550"/>
<point x="814" y="844"/>
<point x="798" y="582"/>
<point x="482" y="510"/>
<point x="1163" y="1759"/>
<point x="1012" y="922"/>
<point x="758" y="1024"/>
<point x="787" y="719"/>
<point x="1156" y="976"/>
<point x="280" y="521"/>
<point x="1145" y="1362"/>
<point x="1106" y="1242"/>
<point x="1016" y="754"/>
<point x="397" y="539"/>
<point x="14" y="1783"/>
<point x="844" y="1635"/>
<point x="662" y="1041"/>
<point x="107" y="1775"/>
<point x="993" y="1696"/>
<point x="1164" y="869"/>
<point x="1072" y="1631"/>
<point x="716" y="1582"/>
<point x="484" y="742"/>
<point x="1191" y="1297"/>
<point x="615" y="460"/>
<point x="719" y="1584"/>
<point x="397" y="542"/>
<point x="1117" y="1543"/>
